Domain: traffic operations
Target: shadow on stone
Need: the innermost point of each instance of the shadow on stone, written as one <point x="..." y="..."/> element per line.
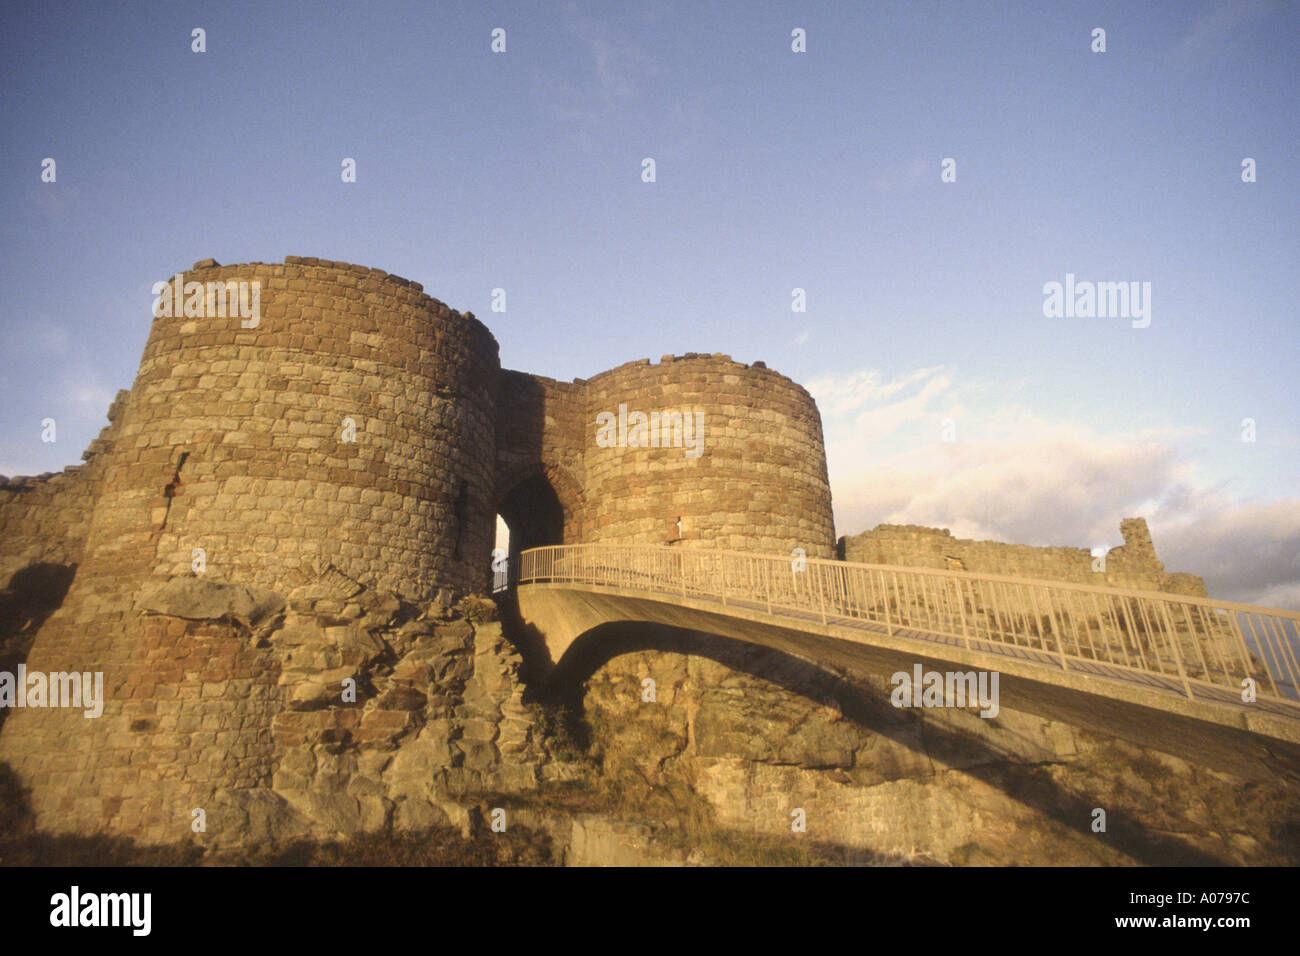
<point x="1030" y="785"/>
<point x="22" y="845"/>
<point x="32" y="595"/>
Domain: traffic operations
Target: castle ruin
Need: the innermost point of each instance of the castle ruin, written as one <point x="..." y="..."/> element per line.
<point x="276" y="511"/>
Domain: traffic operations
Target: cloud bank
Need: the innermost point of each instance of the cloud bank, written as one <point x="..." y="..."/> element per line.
<point x="1012" y="475"/>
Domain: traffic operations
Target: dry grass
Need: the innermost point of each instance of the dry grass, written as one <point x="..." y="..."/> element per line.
<point x="437" y="846"/>
<point x="44" y="849"/>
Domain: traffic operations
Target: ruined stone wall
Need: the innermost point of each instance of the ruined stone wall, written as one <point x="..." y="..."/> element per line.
<point x="46" y="519"/>
<point x="754" y="479"/>
<point x="328" y="560"/>
<point x="759" y="482"/>
<point x="1131" y="565"/>
<point x="222" y="678"/>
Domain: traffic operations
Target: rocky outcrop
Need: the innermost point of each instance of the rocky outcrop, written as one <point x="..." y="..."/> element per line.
<point x="758" y="736"/>
<point x="394" y="715"/>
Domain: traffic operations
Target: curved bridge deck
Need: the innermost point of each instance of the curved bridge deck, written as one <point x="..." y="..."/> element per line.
<point x="1105" y="658"/>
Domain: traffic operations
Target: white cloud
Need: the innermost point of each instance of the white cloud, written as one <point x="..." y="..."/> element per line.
<point x="1217" y="25"/>
<point x="1013" y="475"/>
<point x="611" y="69"/>
<point x="1249" y="551"/>
<point x="839" y="394"/>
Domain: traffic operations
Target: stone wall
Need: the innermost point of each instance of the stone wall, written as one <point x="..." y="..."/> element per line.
<point x="359" y="432"/>
<point x="540" y="439"/>
<point x="45" y="519"/>
<point x="754" y="479"/>
<point x="1133" y="564"/>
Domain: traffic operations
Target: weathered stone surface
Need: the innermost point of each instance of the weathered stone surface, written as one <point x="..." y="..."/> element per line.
<point x="199" y="599"/>
<point x="407" y="754"/>
<point x="239" y="817"/>
<point x="597" y="840"/>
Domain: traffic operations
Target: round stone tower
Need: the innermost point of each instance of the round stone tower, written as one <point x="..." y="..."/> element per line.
<point x="351" y="422"/>
<point x="709" y="452"/>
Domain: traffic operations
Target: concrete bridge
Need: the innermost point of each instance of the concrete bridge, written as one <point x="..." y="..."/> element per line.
<point x="1162" y="670"/>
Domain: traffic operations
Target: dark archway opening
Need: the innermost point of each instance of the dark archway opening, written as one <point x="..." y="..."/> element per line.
<point x="534" y="516"/>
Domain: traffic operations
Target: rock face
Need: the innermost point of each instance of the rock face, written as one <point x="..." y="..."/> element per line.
<point x="759" y="735"/>
<point x="341" y="709"/>
<point x="386" y="715"/>
<point x="394" y="714"/>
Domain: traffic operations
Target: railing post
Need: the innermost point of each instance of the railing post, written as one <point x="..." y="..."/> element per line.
<point x="1038" y="617"/>
<point x="884" y="599"/>
<point x="1290" y="666"/>
<point x="767" y="583"/>
<point x="1178" y="653"/>
<point x="821" y="597"/>
<point x="1049" y="595"/>
<point x="1196" y="641"/>
<point x="961" y="609"/>
<point x="1260" y="650"/>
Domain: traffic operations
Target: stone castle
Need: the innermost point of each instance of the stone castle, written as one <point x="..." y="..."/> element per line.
<point x="276" y="511"/>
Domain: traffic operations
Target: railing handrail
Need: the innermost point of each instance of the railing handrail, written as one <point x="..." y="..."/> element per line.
<point x="941" y="572"/>
<point x="1195" y="642"/>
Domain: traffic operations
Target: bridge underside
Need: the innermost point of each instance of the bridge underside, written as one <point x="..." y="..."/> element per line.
<point x="1255" y="744"/>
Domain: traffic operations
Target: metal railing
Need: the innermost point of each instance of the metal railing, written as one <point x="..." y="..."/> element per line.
<point x="1197" y="646"/>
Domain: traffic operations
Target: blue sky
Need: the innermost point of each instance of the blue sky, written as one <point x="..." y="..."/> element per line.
<point x="775" y="170"/>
